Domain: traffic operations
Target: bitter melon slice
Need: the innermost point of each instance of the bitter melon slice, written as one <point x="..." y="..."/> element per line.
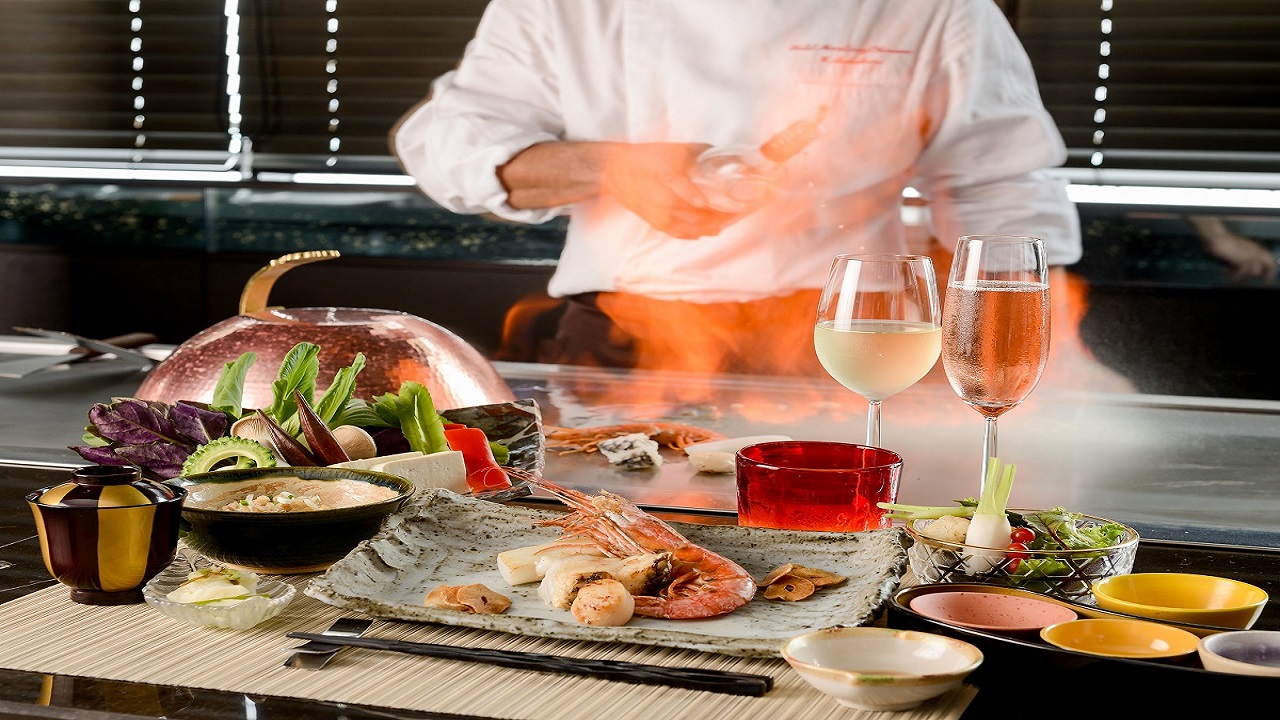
<point x="246" y="453"/>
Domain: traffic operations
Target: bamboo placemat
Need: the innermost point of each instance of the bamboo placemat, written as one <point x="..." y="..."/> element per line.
<point x="46" y="632"/>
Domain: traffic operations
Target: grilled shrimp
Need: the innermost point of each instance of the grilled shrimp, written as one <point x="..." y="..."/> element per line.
<point x="700" y="583"/>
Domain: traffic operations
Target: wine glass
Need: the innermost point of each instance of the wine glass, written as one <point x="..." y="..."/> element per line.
<point x="995" y="320"/>
<point x="878" y="330"/>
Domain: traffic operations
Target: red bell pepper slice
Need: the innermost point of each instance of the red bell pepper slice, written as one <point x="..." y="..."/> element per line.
<point x="483" y="471"/>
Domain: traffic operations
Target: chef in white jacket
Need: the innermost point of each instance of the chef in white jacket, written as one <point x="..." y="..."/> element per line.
<point x="599" y="109"/>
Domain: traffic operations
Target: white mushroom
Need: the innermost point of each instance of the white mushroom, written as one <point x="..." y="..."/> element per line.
<point x="253" y="428"/>
<point x="358" y="444"/>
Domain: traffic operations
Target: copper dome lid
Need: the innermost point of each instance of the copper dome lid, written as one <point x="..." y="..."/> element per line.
<point x="398" y="347"/>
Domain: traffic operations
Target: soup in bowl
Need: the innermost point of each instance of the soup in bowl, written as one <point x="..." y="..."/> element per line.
<point x="286" y="520"/>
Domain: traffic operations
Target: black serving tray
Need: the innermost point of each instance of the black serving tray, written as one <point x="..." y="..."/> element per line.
<point x="1022" y="676"/>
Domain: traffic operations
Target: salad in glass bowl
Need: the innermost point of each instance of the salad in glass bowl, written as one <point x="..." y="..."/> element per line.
<point x="1053" y="551"/>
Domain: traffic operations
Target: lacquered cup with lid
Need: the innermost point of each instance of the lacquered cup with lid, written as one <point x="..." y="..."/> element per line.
<point x="107" y="531"/>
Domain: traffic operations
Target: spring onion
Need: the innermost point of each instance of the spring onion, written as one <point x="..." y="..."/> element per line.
<point x="989" y="526"/>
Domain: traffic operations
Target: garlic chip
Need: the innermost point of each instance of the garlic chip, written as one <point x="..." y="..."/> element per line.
<point x="793" y="582"/>
<point x="789" y="587"/>
<point x="476" y="598"/>
<point x="480" y="599"/>
<point x="445" y="596"/>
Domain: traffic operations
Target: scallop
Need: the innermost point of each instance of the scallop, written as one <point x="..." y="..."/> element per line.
<point x="356" y="442"/>
<point x="603" y="602"/>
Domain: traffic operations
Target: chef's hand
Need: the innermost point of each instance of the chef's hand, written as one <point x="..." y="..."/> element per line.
<point x="652" y="180"/>
<point x="1246" y="258"/>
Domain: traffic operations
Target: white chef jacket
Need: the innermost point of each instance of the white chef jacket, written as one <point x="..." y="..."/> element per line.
<point x="937" y="95"/>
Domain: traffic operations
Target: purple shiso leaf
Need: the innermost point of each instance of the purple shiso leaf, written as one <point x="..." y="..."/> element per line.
<point x="198" y="424"/>
<point x="158" y="462"/>
<point x="134" y="422"/>
<point x="100" y="454"/>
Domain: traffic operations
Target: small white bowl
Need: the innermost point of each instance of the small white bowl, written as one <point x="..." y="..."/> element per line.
<point x="1243" y="652"/>
<point x="875" y="668"/>
<point x="240" y="616"/>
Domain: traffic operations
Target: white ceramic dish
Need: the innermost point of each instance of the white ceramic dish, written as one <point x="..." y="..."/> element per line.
<point x="874" y="668"/>
<point x="240" y="616"/>
<point x="442" y="538"/>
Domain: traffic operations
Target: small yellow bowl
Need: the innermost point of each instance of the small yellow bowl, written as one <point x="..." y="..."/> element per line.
<point x="1183" y="597"/>
<point x="1121" y="638"/>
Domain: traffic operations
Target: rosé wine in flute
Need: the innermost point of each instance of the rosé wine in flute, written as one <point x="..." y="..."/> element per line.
<point x="878" y="329"/>
<point x="995" y="325"/>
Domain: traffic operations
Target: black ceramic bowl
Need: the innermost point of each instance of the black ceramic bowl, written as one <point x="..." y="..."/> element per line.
<point x="353" y="503"/>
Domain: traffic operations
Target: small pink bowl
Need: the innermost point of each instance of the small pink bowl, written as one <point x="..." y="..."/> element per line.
<point x="991" y="611"/>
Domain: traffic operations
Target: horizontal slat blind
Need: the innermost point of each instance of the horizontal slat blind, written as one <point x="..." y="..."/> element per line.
<point x="321" y="81"/>
<point x="98" y="74"/>
<point x="1189" y="85"/>
<point x="384" y="55"/>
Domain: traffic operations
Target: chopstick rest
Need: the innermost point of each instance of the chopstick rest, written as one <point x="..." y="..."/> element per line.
<point x="721" y="681"/>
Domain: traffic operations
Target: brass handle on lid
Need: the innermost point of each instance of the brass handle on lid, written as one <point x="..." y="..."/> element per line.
<point x="258" y="288"/>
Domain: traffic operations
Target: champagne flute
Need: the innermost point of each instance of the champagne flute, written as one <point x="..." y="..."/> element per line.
<point x="878" y="330"/>
<point x="995" y="337"/>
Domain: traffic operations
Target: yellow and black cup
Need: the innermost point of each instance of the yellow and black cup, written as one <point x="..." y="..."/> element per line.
<point x="107" y="531"/>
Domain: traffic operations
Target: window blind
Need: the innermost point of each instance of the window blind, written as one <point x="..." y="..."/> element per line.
<point x="318" y="84"/>
<point x="1159" y="84"/>
<point x="112" y="80"/>
<point x="329" y="78"/>
<point x="311" y="84"/>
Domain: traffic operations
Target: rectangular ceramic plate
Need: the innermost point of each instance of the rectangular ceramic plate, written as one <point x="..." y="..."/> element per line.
<point x="443" y="538"/>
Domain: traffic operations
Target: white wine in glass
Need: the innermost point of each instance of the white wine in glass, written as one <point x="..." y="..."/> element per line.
<point x="879" y="327"/>
<point x="995" y="320"/>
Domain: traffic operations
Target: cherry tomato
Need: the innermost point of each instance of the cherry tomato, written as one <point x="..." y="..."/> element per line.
<point x="1022" y="534"/>
<point x="1017" y="555"/>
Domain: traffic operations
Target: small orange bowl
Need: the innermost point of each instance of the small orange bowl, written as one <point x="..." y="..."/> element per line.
<point x="1121" y="638"/>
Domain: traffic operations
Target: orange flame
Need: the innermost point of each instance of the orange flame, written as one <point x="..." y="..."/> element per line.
<point x="690" y="344"/>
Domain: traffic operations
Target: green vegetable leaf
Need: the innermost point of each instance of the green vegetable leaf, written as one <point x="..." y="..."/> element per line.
<point x="298" y="371"/>
<point x="415" y="413"/>
<point x="362" y="414"/>
<point x="339" y="391"/>
<point x="500" y="452"/>
<point x="1060" y="529"/>
<point x="228" y="393"/>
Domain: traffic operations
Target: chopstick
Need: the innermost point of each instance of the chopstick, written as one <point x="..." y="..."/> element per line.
<point x="720" y="681"/>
